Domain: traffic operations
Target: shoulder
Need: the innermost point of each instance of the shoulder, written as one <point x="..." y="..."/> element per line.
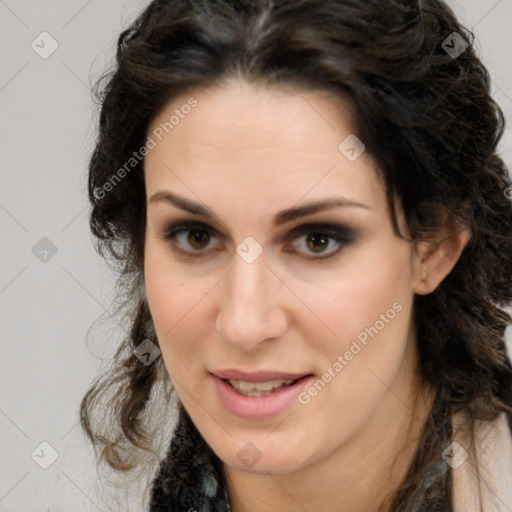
<point x="491" y="460"/>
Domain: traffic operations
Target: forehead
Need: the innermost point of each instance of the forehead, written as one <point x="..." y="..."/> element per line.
<point x="236" y="116"/>
<point x="272" y="142"/>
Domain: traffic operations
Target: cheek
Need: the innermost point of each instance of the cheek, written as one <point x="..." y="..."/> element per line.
<point x="370" y="291"/>
<point x="370" y="314"/>
<point x="176" y="299"/>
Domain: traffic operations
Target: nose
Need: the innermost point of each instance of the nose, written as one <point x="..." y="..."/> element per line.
<point x="250" y="310"/>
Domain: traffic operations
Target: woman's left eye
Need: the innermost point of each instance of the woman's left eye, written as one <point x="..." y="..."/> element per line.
<point x="317" y="241"/>
<point x="322" y="242"/>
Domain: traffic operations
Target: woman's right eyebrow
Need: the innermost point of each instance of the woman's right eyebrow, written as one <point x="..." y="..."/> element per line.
<point x="279" y="218"/>
<point x="182" y="203"/>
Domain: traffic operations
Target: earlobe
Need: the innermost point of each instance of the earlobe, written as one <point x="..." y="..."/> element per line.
<point x="436" y="259"/>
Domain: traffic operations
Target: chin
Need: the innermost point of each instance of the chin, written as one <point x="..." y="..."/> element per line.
<point x="275" y="468"/>
<point x="274" y="460"/>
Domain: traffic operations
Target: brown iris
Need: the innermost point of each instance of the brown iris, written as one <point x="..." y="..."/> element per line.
<point x="317" y="242"/>
<point x="198" y="238"/>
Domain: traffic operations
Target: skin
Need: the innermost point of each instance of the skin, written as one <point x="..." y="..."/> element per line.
<point x="247" y="152"/>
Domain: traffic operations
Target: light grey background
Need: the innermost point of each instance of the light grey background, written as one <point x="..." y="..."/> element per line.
<point x="47" y="129"/>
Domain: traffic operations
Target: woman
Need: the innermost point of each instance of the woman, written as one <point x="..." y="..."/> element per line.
<point x="314" y="235"/>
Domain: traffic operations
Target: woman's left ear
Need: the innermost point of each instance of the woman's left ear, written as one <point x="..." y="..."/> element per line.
<point x="436" y="258"/>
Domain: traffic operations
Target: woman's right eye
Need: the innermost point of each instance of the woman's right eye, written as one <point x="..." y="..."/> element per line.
<point x="190" y="239"/>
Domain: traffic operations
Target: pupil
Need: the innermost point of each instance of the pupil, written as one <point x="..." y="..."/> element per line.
<point x="317" y="241"/>
<point x="198" y="238"/>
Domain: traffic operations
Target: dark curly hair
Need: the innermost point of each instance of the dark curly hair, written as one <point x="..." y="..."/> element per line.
<point x="426" y="117"/>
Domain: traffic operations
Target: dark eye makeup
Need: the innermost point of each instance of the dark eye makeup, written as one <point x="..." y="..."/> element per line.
<point x="318" y="241"/>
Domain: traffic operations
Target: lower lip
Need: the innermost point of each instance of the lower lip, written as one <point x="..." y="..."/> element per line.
<point x="259" y="407"/>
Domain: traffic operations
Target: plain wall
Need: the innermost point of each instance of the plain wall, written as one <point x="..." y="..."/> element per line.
<point x="46" y="308"/>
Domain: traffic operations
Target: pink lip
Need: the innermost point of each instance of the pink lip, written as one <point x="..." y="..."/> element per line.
<point x="259" y="407"/>
<point x="260" y="376"/>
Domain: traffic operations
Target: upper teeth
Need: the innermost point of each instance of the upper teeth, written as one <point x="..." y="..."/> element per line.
<point x="269" y="385"/>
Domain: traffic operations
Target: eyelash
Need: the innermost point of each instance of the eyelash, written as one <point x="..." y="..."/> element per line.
<point x="341" y="235"/>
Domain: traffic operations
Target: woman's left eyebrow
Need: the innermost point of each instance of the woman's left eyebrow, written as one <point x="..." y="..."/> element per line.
<point x="314" y="207"/>
<point x="279" y="218"/>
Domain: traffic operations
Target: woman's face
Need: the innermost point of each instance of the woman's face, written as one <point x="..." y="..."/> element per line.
<point x="270" y="249"/>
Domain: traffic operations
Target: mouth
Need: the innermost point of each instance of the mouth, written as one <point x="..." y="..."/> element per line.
<point x="264" y="388"/>
<point x="258" y="399"/>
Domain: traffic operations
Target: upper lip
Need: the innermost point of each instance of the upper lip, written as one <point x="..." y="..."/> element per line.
<point x="259" y="376"/>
